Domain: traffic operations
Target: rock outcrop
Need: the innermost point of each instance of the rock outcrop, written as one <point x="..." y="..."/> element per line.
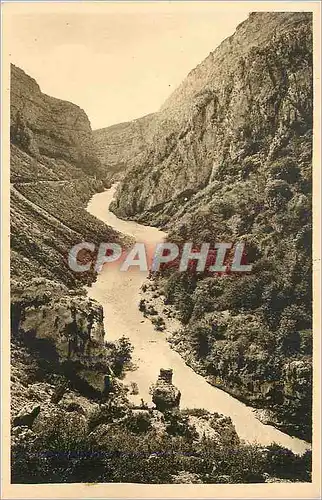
<point x="165" y="395"/>
<point x="26" y="416"/>
<point x="65" y="330"/>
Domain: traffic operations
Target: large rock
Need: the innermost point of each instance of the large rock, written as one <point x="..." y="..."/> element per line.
<point x="65" y="329"/>
<point x="165" y="395"/>
<point x="26" y="416"/>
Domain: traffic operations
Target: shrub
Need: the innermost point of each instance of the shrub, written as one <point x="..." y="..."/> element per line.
<point x="119" y="354"/>
<point x="158" y="323"/>
<point x="285" y="169"/>
<point x="138" y="422"/>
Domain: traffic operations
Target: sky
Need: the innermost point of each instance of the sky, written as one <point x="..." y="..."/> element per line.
<point x="119" y="62"/>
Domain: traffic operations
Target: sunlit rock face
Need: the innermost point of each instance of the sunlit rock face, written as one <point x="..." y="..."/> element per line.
<point x="122" y="145"/>
<point x="247" y="99"/>
<point x="44" y="126"/>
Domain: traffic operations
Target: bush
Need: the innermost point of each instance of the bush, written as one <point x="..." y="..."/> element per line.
<point x="131" y="451"/>
<point x="138" y="422"/>
<point x="119" y="354"/>
<point x="277" y="193"/>
<point x="142" y="305"/>
<point x="158" y="323"/>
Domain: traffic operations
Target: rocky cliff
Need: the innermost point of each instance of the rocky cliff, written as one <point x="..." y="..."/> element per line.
<point x="43" y="126"/>
<point x="230" y="159"/>
<point x="63" y="331"/>
<point x="54" y="171"/>
<point x="59" y="431"/>
<point x="245" y="100"/>
<point x="121" y="145"/>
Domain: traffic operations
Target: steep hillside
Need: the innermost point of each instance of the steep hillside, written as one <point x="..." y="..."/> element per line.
<point x="43" y="126"/>
<point x="230" y="159"/>
<point x="54" y="171"/>
<point x="120" y="145"/>
<point x="57" y="333"/>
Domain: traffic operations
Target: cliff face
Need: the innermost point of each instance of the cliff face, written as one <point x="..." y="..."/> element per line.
<point x="44" y="126"/>
<point x="56" y="332"/>
<point x="248" y="97"/>
<point x="54" y="171"/>
<point x="121" y="145"/>
<point x="65" y="330"/>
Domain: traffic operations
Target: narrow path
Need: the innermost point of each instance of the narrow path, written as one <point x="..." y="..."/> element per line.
<point x="42" y="211"/>
<point x="118" y="292"/>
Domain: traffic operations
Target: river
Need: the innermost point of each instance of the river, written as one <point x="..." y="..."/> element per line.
<point x="118" y="292"/>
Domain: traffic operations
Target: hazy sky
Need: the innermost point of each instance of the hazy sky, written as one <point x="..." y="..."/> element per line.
<point x="121" y="63"/>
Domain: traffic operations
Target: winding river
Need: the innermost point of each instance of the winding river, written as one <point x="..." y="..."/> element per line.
<point x="118" y="292"/>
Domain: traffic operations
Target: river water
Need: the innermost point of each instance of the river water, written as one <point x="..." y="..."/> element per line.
<point x="118" y="292"/>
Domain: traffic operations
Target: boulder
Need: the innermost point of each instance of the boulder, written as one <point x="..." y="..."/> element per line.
<point x="26" y="416"/>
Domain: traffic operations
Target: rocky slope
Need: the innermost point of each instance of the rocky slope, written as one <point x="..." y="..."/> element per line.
<point x="57" y="333"/>
<point x="64" y="331"/>
<point x="229" y="159"/>
<point x="43" y="126"/>
<point x="246" y="99"/>
<point x="120" y="145"/>
<point x="54" y="170"/>
<point x="59" y="436"/>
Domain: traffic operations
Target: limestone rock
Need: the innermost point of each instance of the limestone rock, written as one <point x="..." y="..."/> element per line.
<point x="220" y="114"/>
<point x="57" y="421"/>
<point x="26" y="416"/>
<point x="165" y="395"/>
<point x="50" y="127"/>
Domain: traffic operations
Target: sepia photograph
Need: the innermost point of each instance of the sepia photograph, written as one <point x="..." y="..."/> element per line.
<point x="160" y="184"/>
